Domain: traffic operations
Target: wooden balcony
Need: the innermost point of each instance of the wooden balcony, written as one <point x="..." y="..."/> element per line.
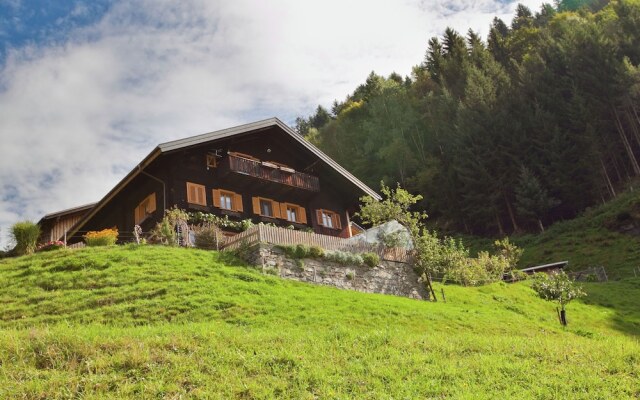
<point x="274" y="173"/>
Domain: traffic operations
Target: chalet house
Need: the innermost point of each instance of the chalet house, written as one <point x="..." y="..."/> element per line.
<point x="263" y="171"/>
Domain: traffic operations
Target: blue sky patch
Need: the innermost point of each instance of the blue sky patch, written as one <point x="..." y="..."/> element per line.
<point x="30" y="22"/>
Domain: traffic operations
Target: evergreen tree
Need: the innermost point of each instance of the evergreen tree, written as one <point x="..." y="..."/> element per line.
<point x="532" y="200"/>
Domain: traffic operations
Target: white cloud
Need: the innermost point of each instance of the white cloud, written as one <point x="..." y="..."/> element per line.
<point x="75" y="117"/>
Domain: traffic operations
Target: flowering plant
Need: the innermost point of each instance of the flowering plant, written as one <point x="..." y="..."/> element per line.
<point x="105" y="237"/>
<point x="51" y="245"/>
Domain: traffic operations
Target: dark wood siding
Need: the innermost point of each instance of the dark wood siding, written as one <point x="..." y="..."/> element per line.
<point x="193" y="165"/>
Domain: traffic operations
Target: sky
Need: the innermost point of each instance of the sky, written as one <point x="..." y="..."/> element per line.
<point x="88" y="88"/>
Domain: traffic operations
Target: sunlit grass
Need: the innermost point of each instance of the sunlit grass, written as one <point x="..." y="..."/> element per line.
<point x="152" y="322"/>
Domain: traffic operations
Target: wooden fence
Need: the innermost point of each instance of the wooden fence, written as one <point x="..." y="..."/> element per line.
<point x="594" y="273"/>
<point x="288" y="237"/>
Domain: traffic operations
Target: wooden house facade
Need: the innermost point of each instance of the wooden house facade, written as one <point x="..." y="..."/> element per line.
<point x="55" y="226"/>
<point x="263" y="171"/>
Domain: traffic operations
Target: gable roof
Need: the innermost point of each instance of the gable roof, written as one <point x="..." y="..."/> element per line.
<point x="216" y="135"/>
<point x="67" y="211"/>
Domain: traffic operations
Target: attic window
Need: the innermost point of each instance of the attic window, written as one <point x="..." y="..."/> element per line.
<point x="227" y="200"/>
<point x="145" y="209"/>
<point x="196" y="194"/>
<point x="328" y="219"/>
<point x="212" y="161"/>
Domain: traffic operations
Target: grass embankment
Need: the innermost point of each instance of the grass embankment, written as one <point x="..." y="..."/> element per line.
<point x="593" y="239"/>
<point x="152" y="322"/>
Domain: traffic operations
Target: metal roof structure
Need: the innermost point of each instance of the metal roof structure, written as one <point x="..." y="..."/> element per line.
<point x="67" y="211"/>
<point x="559" y="264"/>
<point x="181" y="144"/>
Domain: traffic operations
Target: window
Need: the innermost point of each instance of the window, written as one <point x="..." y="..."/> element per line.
<point x="293" y="213"/>
<point x="328" y="219"/>
<point x="266" y="207"/>
<point x="227" y="200"/>
<point x="196" y="194"/>
<point x="212" y="161"/>
<point x="145" y="208"/>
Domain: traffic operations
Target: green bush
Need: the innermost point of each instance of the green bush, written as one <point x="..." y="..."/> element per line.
<point x="344" y="258"/>
<point x="208" y="237"/>
<point x="26" y="235"/>
<point x="301" y="251"/>
<point x="371" y="259"/>
<point x="316" y="252"/>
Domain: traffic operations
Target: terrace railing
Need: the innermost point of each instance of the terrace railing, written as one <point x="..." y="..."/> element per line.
<point x="273" y="173"/>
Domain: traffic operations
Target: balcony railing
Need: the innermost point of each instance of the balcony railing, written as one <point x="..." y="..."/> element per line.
<point x="273" y="173"/>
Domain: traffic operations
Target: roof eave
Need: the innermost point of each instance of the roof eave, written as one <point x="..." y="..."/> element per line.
<point x="116" y="189"/>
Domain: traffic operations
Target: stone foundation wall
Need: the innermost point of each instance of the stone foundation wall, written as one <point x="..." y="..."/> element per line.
<point x="387" y="278"/>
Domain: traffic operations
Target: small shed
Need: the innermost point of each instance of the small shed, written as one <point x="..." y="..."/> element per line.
<point x="546" y="268"/>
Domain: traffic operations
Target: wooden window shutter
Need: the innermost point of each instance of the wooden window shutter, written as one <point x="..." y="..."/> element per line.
<point x="336" y="221"/>
<point x="319" y="217"/>
<point x="202" y="196"/>
<point x="136" y="216"/>
<point x="275" y="206"/>
<point x="151" y="205"/>
<point x="283" y="210"/>
<point x="191" y="193"/>
<point x="216" y="197"/>
<point x="237" y="202"/>
<point x="302" y="215"/>
<point x="256" y="205"/>
<point x="196" y="194"/>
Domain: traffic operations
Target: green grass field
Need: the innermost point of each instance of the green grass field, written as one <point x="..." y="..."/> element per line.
<point x="154" y="322"/>
<point x="593" y="239"/>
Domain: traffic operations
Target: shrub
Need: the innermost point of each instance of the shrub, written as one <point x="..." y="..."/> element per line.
<point x="164" y="233"/>
<point x="208" y="237"/>
<point x="26" y="235"/>
<point x="246" y="224"/>
<point x="301" y="251"/>
<point x="344" y="258"/>
<point x="165" y="230"/>
<point x="517" y="275"/>
<point x="105" y="237"/>
<point x="371" y="259"/>
<point x="316" y="252"/>
<point x="50" y="246"/>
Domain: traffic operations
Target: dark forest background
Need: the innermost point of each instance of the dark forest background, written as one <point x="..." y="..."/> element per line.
<point x="508" y="134"/>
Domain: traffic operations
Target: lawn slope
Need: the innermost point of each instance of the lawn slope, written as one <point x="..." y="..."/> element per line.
<point x="596" y="238"/>
<point x="154" y="322"/>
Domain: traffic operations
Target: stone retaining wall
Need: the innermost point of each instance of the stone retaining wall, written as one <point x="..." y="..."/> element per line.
<point x="387" y="278"/>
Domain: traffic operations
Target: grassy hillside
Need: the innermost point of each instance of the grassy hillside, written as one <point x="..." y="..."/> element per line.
<point x="153" y="322"/>
<point x="596" y="238"/>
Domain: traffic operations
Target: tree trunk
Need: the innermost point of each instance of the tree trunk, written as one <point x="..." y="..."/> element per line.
<point x="615" y="168"/>
<point x="627" y="145"/>
<point x="511" y="215"/>
<point x="541" y="226"/>
<point x="563" y="317"/>
<point x="500" y="229"/>
<point x="634" y="127"/>
<point x="606" y="175"/>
